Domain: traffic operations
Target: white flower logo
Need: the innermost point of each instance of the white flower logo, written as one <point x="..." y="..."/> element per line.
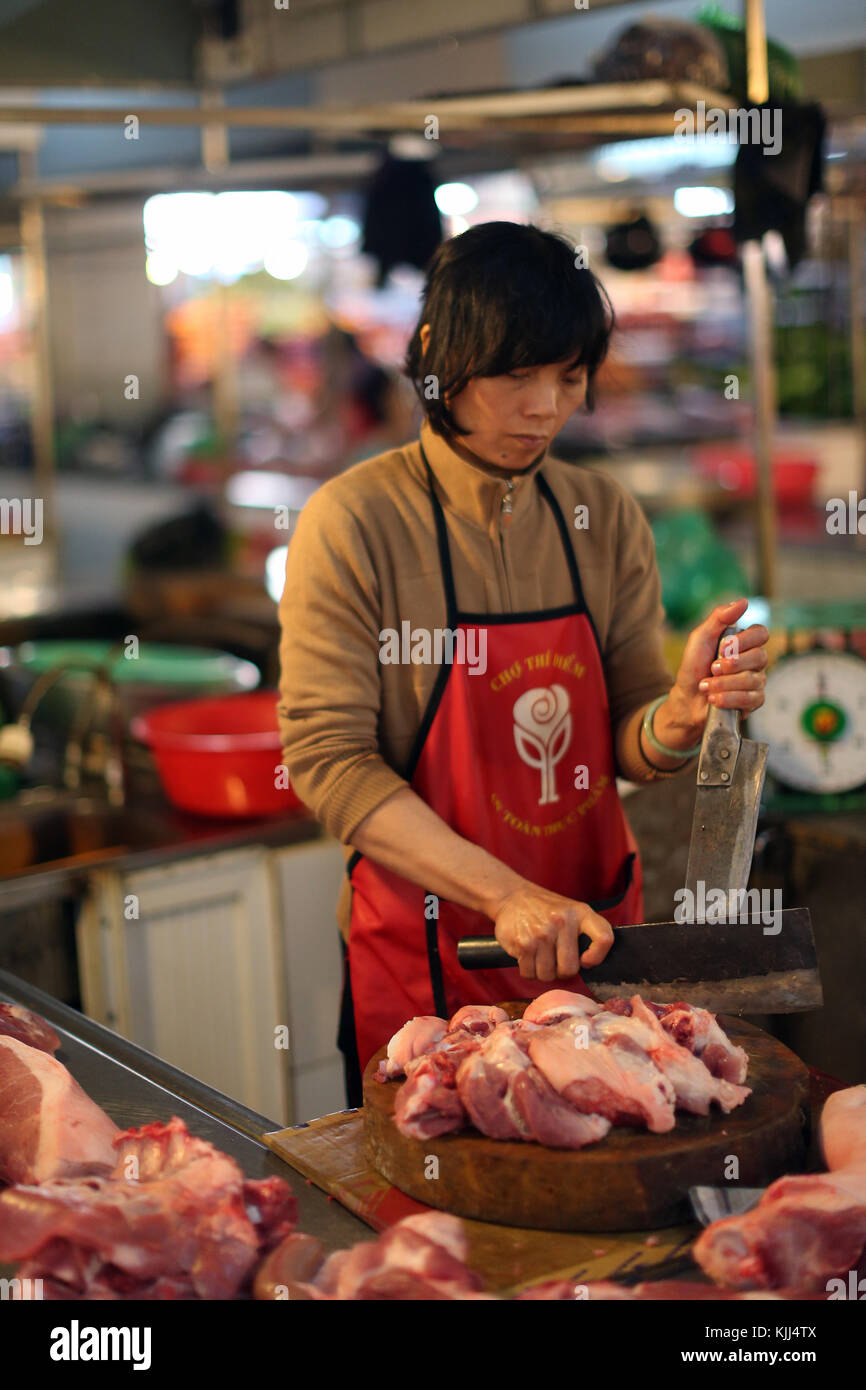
<point x="542" y="732"/>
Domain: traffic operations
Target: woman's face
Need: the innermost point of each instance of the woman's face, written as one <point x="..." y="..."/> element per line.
<point x="511" y="419"/>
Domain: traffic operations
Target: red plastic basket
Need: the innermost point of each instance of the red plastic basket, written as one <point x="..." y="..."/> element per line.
<point x="219" y="756"/>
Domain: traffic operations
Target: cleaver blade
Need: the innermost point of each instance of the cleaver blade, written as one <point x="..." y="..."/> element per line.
<point x="730" y="780"/>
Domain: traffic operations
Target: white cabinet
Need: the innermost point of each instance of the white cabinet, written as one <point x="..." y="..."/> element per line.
<point x="215" y="962"/>
<point x="308" y="881"/>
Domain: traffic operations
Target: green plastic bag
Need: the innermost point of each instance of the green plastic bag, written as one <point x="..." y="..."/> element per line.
<point x="697" y="569"/>
<point x="785" y="80"/>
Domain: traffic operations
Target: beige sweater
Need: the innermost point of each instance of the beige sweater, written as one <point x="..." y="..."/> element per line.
<point x="364" y="558"/>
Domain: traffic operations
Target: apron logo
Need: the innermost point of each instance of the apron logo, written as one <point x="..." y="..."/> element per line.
<point x="542" y="732"/>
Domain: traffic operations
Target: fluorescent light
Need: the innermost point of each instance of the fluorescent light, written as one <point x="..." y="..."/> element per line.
<point x="275" y="572"/>
<point x="7" y="289"/>
<point x="339" y="231"/>
<point x="703" y="202"/>
<point x="160" y="269"/>
<point x="411" y="146"/>
<point x="455" y="199"/>
<point x="288" y="261"/>
<point x="612" y="172"/>
<point x="194" y="258"/>
<point x="168" y="216"/>
<point x="262" y="487"/>
<point x="660" y="154"/>
<point x="225" y="234"/>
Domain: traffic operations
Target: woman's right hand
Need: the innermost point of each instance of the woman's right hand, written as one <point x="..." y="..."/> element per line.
<point x="541" y="930"/>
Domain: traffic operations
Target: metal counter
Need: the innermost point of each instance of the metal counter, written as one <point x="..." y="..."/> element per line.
<point x="134" y="1087"/>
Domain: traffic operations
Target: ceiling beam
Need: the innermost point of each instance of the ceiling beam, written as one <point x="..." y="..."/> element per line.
<point x="607" y="98"/>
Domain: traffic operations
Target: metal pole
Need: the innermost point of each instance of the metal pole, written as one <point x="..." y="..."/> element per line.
<point x="41" y="380"/>
<point x="856" y="241"/>
<point x="215" y="160"/>
<point x="225" y="385"/>
<point x="761" y="329"/>
<point x="757" y="69"/>
<point x="215" y="137"/>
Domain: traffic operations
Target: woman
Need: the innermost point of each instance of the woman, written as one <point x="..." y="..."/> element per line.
<point x="472" y="653"/>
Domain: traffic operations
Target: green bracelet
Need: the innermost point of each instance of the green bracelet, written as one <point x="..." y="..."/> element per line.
<point x="654" y="742"/>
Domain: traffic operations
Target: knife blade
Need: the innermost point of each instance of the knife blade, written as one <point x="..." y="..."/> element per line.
<point x="730" y="778"/>
<point x="711" y="1204"/>
<point x="751" y="965"/>
<point x="726" y="807"/>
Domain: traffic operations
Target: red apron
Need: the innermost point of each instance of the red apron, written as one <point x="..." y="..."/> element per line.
<point x="518" y="760"/>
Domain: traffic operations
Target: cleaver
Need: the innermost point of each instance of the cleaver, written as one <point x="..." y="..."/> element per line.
<point x="723" y="953"/>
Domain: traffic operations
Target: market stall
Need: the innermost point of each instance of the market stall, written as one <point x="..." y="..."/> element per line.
<point x="432" y="699"/>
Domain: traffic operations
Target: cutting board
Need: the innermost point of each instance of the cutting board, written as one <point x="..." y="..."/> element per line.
<point x="630" y="1181"/>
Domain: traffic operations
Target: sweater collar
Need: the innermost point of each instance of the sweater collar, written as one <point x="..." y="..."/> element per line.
<point x="472" y="490"/>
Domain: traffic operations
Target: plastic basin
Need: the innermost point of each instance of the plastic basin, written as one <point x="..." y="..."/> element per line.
<point x="219" y="757"/>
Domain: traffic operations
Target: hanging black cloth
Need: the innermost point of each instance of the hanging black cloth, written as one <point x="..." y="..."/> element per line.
<point x="402" y="225"/>
<point x="771" y="191"/>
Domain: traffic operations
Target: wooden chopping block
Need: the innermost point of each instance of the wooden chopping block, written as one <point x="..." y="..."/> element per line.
<point x="630" y="1181"/>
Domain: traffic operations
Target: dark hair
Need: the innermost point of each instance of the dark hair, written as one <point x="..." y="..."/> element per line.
<point x="498" y="297"/>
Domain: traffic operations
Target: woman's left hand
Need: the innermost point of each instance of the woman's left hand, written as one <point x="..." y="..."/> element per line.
<point x="734" y="679"/>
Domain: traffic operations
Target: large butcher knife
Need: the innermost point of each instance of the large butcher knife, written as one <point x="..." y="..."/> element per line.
<point x="743" y="963"/>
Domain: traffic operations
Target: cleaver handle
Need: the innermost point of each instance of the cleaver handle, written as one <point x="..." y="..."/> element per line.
<point x="720" y="744"/>
<point x="482" y="953"/>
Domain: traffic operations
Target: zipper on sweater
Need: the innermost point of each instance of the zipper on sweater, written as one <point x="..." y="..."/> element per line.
<point x="506" y="508"/>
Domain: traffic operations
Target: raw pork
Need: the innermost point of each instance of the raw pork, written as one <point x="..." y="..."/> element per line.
<point x="289" y="1271"/>
<point x="422" y="1257"/>
<point x="49" y="1128"/>
<point x="805" y="1230"/>
<point x="177" y="1220"/>
<point x="414" y="1039"/>
<point x="426" y="1034"/>
<point x="20" y="1023"/>
<point x="696" y="1088"/>
<point x="506" y="1097"/>
<point x="485" y="1083"/>
<point x="843" y="1128"/>
<point x="698" y="1030"/>
<point x="480" y="1019"/>
<point x="808" y="1228"/>
<point x="611" y="1076"/>
<point x="428" y="1104"/>
<point x="565" y="1071"/>
<point x="558" y="1004"/>
<point x="272" y="1208"/>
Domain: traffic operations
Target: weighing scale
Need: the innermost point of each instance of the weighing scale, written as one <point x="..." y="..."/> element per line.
<point x="814" y="711"/>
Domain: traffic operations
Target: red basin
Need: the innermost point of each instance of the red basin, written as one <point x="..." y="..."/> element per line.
<point x="219" y="756"/>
